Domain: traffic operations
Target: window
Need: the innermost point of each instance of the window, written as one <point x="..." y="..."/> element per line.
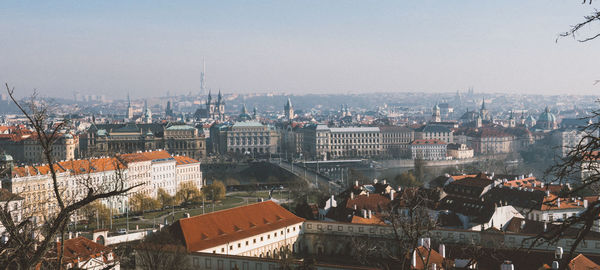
<point x="268" y="236"/>
<point x="207" y="263"/>
<point x="196" y="262"/>
<point x="246" y="243"/>
<point x="254" y="240"/>
<point x="222" y="250"/>
<point x="240" y="245"/>
<point x="360" y="229"/>
<point x="261" y="238"/>
<point x="340" y="228"/>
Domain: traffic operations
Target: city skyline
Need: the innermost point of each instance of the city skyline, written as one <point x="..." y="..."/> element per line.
<point x="113" y="48"/>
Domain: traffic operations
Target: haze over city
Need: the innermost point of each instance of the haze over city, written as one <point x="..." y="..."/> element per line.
<point x="295" y="47"/>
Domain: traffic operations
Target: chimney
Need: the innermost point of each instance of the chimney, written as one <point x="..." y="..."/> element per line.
<point x="392" y="195"/>
<point x="364" y="213"/>
<point x="442" y="250"/>
<point x="522" y="224"/>
<point x="434" y="266"/>
<point x="425" y="242"/>
<point x="186" y="215"/>
<point x="558" y="253"/>
<point x="355" y="207"/>
<point x="555" y="265"/>
<point x="332" y="199"/>
<point x="414" y="259"/>
<point x="542" y="184"/>
<point x="585" y="203"/>
<point x="384" y="181"/>
<point x="70" y="235"/>
<point x="368" y="194"/>
<point x="369" y="214"/>
<point x="374" y="181"/>
<point x="545" y="226"/>
<point x="351" y="195"/>
<point x="547" y="193"/>
<point x="356" y="183"/>
<point x="507" y="265"/>
<point x="558" y="202"/>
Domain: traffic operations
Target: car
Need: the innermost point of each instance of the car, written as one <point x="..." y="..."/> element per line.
<point x="122" y="231"/>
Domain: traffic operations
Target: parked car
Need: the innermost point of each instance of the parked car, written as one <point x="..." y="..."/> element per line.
<point x="122" y="231"/>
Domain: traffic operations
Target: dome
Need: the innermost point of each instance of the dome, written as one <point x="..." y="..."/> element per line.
<point x="547" y="116"/>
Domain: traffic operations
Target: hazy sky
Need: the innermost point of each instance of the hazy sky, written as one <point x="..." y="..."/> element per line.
<point x="149" y="47"/>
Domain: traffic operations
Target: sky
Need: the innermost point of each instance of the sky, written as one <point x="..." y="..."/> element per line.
<point x="147" y="48"/>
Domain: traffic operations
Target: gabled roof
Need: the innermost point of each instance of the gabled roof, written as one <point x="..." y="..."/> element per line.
<point x="76" y="167"/>
<point x="581" y="262"/>
<point x="83" y="249"/>
<point x="221" y="227"/>
<point x="433" y="129"/>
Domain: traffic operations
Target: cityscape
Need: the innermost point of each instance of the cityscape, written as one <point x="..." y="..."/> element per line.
<point x="206" y="161"/>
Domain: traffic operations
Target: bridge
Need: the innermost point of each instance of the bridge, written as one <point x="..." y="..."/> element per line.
<point x="312" y="177"/>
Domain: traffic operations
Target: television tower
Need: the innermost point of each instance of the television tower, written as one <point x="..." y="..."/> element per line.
<point x="202" y="79"/>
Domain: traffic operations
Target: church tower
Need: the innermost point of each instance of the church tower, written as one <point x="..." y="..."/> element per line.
<point x="485" y="115"/>
<point x="289" y="110"/>
<point x="437" y="116"/>
<point x="129" y="115"/>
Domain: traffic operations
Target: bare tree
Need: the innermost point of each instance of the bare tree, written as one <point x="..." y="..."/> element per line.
<point x="28" y="243"/>
<point x="581" y="166"/>
<point x="161" y="250"/>
<point x="587" y="21"/>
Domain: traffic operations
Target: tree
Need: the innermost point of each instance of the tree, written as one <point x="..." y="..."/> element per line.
<point x="582" y="164"/>
<point x="141" y="202"/>
<point x="165" y="199"/>
<point x="161" y="250"/>
<point x="96" y="212"/>
<point x="215" y="191"/>
<point x="587" y="21"/>
<point x="188" y="194"/>
<point x="28" y="243"/>
<point x="407" y="179"/>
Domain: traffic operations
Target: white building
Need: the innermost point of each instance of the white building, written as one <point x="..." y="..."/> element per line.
<point x="188" y="172"/>
<point x="259" y="230"/>
<point x="431" y="149"/>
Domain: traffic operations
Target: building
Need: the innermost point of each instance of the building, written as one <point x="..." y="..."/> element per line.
<point x="261" y="229"/>
<point x="459" y="151"/>
<point x="342" y="142"/>
<point x="395" y="141"/>
<point x="249" y="137"/>
<point x="188" y="172"/>
<point x="152" y="170"/>
<point x="489" y="140"/>
<point x="547" y="121"/>
<point x="110" y="139"/>
<point x="14" y="204"/>
<point x="288" y="109"/>
<point x="25" y="147"/>
<point x="213" y="109"/>
<point x="82" y="253"/>
<point x="433" y="131"/>
<point x="437" y="116"/>
<point x="431" y="149"/>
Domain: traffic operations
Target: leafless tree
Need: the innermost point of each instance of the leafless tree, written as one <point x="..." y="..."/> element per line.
<point x="581" y="166"/>
<point x="28" y="243"/>
<point x="161" y="250"/>
<point x="587" y="21"/>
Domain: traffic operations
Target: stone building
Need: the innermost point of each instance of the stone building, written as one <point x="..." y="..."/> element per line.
<point x="109" y="139"/>
<point x="324" y="142"/>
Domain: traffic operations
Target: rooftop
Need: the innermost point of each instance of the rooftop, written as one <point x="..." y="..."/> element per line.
<point x="221" y="227"/>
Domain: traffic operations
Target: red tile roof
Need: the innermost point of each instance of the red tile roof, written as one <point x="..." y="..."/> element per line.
<point x="374" y="202"/>
<point x="182" y="160"/>
<point x="221" y="227"/>
<point x="81" y="166"/>
<point x="581" y="262"/>
<point x="145" y="156"/>
<point x="83" y="249"/>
